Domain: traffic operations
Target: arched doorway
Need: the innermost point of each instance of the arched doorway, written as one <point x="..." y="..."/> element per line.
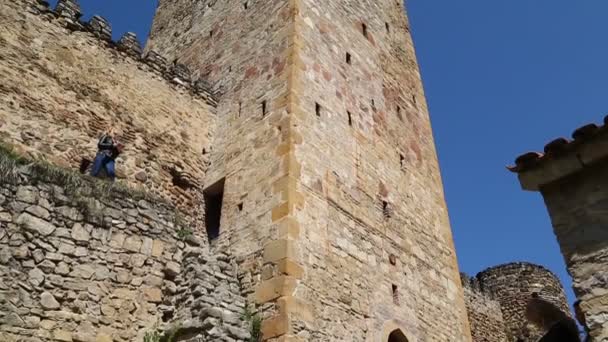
<point x="397" y="336"/>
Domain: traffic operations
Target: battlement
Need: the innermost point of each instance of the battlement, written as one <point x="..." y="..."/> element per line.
<point x="65" y="82"/>
<point x="484" y="312"/>
<point x="571" y="176"/>
<point x="68" y="13"/>
<point x="473" y="284"/>
<point x="563" y="157"/>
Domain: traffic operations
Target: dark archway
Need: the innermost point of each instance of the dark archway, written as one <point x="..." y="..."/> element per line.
<point x="397" y="336"/>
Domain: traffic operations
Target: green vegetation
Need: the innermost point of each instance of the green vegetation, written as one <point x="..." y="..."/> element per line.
<point x="155" y="336"/>
<point x="152" y="336"/>
<point x="86" y="192"/>
<point x="184" y="233"/>
<point x="255" y="323"/>
<point x="181" y="226"/>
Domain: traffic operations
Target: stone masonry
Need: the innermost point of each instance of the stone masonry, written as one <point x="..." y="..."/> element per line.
<point x="485" y="315"/>
<point x="300" y="125"/>
<point x="324" y="139"/>
<point x="570" y="175"/>
<point x="515" y="302"/>
<point x="75" y="268"/>
<point x="514" y="286"/>
<point x="63" y="83"/>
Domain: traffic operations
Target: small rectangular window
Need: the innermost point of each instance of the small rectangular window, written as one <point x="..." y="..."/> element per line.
<point x="348" y="58"/>
<point x="350" y="118"/>
<point x="264" y="109"/>
<point x="364" y="30"/>
<point x="388" y="27"/>
<point x="386" y="210"/>
<point x="395" y="294"/>
<point x="213" y="197"/>
<point x="318" y="109"/>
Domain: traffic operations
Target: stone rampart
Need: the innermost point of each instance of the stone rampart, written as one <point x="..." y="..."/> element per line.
<point x="485" y="315"/>
<point x="64" y="82"/>
<point x="83" y="260"/>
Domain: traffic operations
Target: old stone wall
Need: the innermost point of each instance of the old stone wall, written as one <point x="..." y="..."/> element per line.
<point x="485" y="315"/>
<point x="514" y="286"/>
<point x="63" y="83"/>
<point x="83" y="261"/>
<point x="329" y="165"/>
<point x="577" y="206"/>
<point x="245" y="49"/>
<point x="374" y="221"/>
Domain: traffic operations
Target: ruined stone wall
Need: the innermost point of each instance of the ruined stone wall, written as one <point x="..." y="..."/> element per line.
<point x="577" y="206"/>
<point x="514" y="286"/>
<point x="63" y="83"/>
<point x="83" y="262"/>
<point x="484" y="312"/>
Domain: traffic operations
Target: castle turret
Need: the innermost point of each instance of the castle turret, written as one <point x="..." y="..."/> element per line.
<point x="515" y="286"/>
<point x="323" y="176"/>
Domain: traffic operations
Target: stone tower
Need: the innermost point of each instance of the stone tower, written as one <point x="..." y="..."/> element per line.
<point x="325" y="166"/>
<point x="514" y="286"/>
<point x="571" y="176"/>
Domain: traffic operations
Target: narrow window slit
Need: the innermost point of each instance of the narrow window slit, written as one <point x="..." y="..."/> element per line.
<point x="395" y="294"/>
<point x="392" y="259"/>
<point x="388" y="27"/>
<point x="264" y="109"/>
<point x="350" y="118"/>
<point x="214" y="197"/>
<point x="348" y="58"/>
<point x="364" y="30"/>
<point x="318" y="109"/>
<point x="386" y="209"/>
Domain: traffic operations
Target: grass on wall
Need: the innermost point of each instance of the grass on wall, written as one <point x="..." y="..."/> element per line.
<point x="83" y="190"/>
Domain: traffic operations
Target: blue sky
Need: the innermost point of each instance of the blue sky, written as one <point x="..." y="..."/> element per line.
<point x="501" y="78"/>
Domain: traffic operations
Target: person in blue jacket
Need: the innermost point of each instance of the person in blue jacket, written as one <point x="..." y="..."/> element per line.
<point x="107" y="151"/>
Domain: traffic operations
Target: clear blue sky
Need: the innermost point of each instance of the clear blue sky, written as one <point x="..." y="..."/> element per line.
<point x="501" y="77"/>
